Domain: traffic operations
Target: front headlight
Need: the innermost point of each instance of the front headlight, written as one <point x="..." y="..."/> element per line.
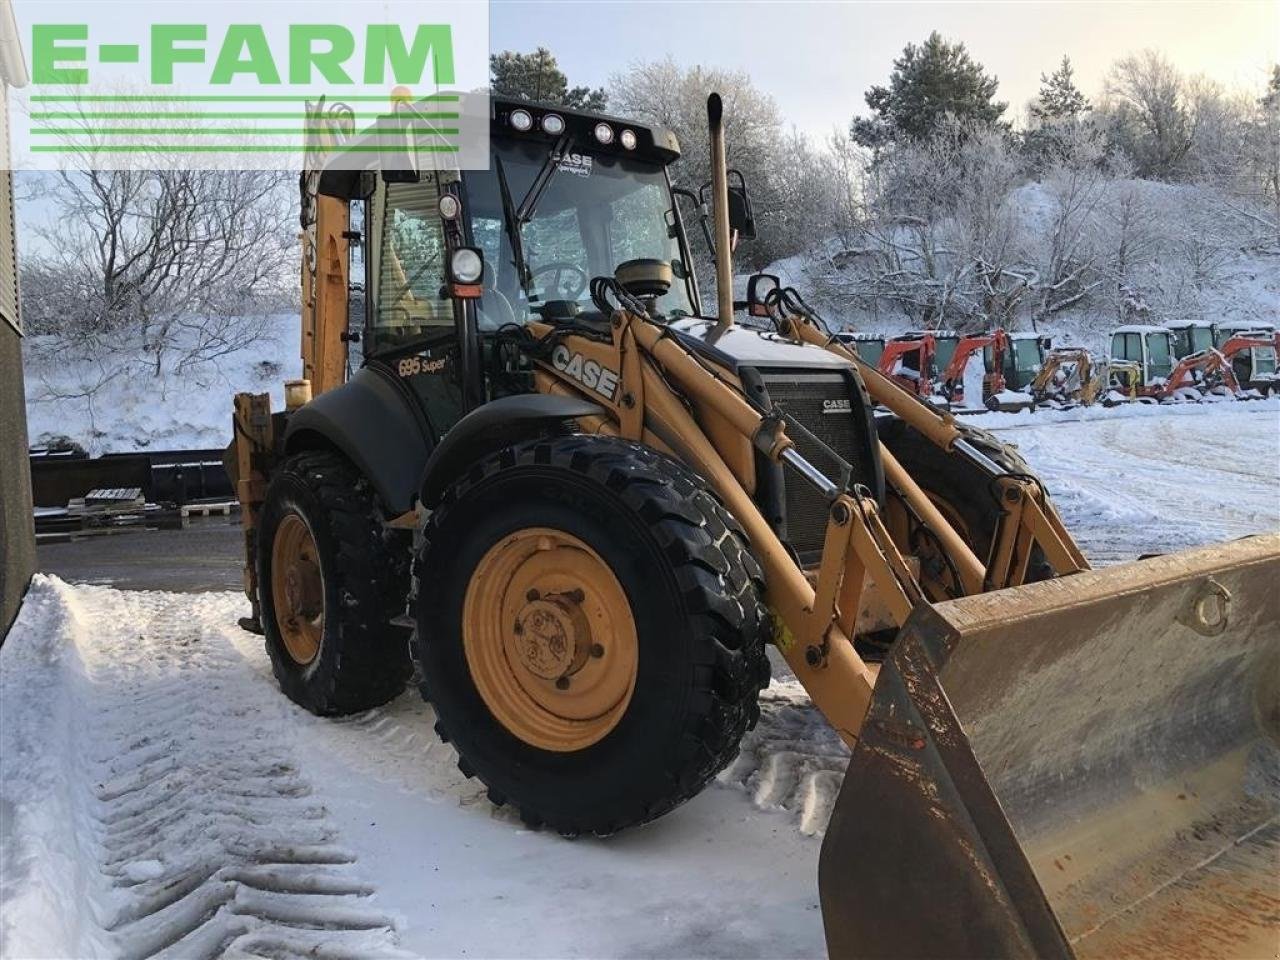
<point x="467" y="265"/>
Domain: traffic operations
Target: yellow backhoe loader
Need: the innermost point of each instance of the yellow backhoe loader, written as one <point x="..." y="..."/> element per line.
<point x="583" y="503"/>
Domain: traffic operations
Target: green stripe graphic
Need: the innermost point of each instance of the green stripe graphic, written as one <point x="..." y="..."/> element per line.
<point x="232" y="98"/>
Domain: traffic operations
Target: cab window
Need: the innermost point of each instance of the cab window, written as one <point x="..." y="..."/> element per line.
<point x="1127" y="346"/>
<point x="1161" y="358"/>
<point x="410" y="265"/>
<point x="870" y="350"/>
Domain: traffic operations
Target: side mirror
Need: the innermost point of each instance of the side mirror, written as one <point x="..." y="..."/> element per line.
<point x="759" y="287"/>
<point x="741" y="218"/>
<point x="742" y="222"/>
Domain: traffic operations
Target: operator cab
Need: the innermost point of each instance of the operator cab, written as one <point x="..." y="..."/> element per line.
<point x="1024" y="359"/>
<point x="568" y="196"/>
<point x="1191" y="337"/>
<point x="1151" y="347"/>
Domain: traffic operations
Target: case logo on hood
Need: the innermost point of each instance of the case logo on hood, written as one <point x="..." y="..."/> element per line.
<point x="590" y="374"/>
<point x="837" y="406"/>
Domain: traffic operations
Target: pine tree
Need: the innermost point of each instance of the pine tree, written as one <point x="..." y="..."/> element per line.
<point x="1059" y="99"/>
<point x="537" y="76"/>
<point x="928" y="82"/>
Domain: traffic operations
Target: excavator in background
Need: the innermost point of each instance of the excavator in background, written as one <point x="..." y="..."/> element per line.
<point x="1071" y="377"/>
<point x="910" y="360"/>
<point x="993" y="347"/>
<point x="1251" y="350"/>
<point x="1145" y="366"/>
<point x="1249" y="347"/>
<point x="1024" y="359"/>
<point x="582" y="502"/>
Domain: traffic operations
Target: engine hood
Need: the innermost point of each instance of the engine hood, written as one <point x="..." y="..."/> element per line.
<point x="747" y="347"/>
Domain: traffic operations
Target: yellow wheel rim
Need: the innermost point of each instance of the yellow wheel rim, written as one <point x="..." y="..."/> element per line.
<point x="297" y="589"/>
<point x="550" y="639"/>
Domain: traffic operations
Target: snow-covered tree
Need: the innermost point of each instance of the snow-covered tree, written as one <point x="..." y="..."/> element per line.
<point x="1147" y="115"/>
<point x="673" y="95"/>
<point x="1076" y="179"/>
<point x="537" y="76"/>
<point x="1059" y="98"/>
<point x="929" y="82"/>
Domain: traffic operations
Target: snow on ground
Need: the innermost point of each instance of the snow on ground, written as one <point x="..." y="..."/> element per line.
<point x="161" y="796"/>
<point x="1143" y="479"/>
<point x="158" y="794"/>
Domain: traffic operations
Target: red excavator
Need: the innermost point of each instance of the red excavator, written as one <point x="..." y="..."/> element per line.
<point x="993" y="344"/>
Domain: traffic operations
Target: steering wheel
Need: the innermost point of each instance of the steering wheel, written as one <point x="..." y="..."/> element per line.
<point x="557" y="270"/>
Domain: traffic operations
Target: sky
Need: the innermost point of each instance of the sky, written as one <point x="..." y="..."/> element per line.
<point x="818" y="58"/>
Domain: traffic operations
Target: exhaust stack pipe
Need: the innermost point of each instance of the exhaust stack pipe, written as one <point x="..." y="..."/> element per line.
<point x="720" y="209"/>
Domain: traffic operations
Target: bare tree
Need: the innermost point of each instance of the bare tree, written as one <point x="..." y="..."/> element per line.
<point x="672" y="95"/>
<point x="1077" y="180"/>
<point x="1149" y="115"/>
<point x="163" y="260"/>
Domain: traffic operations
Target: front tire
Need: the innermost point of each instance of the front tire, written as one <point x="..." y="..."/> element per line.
<point x="590" y="631"/>
<point x="960" y="488"/>
<point x="331" y="577"/>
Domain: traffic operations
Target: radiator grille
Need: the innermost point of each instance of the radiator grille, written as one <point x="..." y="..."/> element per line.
<point x="821" y="403"/>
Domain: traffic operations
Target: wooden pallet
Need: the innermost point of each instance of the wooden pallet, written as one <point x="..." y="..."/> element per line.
<point x="223" y="509"/>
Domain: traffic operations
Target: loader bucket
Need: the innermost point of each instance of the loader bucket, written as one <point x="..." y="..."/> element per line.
<point x="1087" y="766"/>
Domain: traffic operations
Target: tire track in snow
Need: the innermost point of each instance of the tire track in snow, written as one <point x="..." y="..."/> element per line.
<point x="793" y="760"/>
<point x="207" y="838"/>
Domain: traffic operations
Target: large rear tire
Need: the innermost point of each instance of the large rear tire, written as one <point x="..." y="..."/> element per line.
<point x="331" y="577"/>
<point x="590" y="631"/>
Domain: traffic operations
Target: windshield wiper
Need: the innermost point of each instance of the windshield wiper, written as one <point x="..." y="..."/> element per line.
<point x="513" y="224"/>
<point x="549" y="168"/>
<point x="515" y="218"/>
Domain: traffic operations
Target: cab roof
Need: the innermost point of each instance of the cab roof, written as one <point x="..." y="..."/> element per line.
<point x="652" y="141"/>
<point x="1141" y="328"/>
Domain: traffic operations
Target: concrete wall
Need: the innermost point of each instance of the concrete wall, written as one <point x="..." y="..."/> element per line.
<point x="17" y="532"/>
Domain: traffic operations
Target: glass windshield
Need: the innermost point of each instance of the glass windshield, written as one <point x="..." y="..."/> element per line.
<point x="1264" y="361"/>
<point x="1189" y="340"/>
<point x="1026" y="354"/>
<point x="596" y="212"/>
<point x="1161" y="359"/>
<point x="870" y="350"/>
<point x="946" y="349"/>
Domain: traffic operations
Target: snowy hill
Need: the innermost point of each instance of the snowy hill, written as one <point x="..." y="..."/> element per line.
<point x="109" y="403"/>
<point x="1201" y="259"/>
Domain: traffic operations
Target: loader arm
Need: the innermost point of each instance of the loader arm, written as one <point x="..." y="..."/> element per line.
<point x="1029" y="516"/>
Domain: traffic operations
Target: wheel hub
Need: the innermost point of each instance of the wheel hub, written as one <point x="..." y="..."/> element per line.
<point x="549" y="639"/>
<point x="552" y="637"/>
<point x="297" y="588"/>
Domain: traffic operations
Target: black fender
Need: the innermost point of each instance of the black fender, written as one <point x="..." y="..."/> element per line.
<point x="373" y="421"/>
<point x="489" y="428"/>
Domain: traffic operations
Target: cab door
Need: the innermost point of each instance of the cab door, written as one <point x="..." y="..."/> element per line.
<point x="416" y="332"/>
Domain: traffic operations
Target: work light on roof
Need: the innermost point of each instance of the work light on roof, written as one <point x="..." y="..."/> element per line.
<point x="628" y="139"/>
<point x="522" y="120"/>
<point x="449" y="207"/>
<point x="553" y="124"/>
<point x="604" y="133"/>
